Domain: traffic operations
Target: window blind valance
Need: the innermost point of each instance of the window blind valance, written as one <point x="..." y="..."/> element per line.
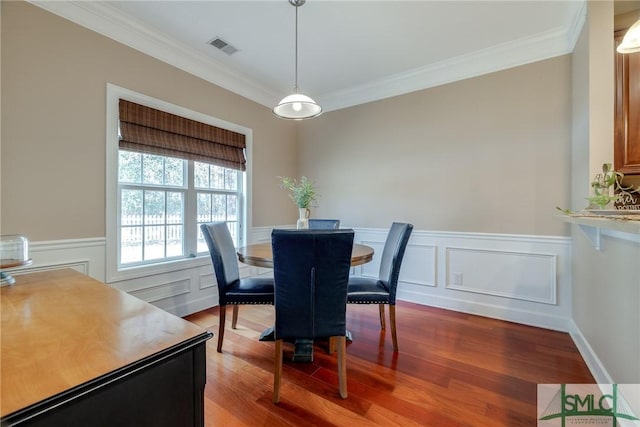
<point x="147" y="130"/>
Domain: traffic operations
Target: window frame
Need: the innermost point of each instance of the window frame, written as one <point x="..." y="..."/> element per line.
<point x="115" y="273"/>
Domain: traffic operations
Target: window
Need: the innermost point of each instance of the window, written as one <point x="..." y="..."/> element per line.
<point x="154" y="195"/>
<point x="157" y="201"/>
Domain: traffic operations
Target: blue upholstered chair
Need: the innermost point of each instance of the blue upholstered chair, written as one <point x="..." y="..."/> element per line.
<point x="382" y="291"/>
<point x="311" y="273"/>
<point x="323" y="224"/>
<point x="232" y="290"/>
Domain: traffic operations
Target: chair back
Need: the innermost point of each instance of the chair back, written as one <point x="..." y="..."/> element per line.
<point x="223" y="255"/>
<point x="311" y="273"/>
<point x="392" y="255"/>
<point x="323" y="224"/>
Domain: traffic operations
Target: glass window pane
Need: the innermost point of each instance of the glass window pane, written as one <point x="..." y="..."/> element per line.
<point x="231" y="182"/>
<point x="219" y="207"/>
<point x="202" y="245"/>
<point x="154" y="241"/>
<point x="175" y="208"/>
<point x="233" y="229"/>
<point x="174" y="171"/>
<point x="232" y="208"/>
<point x="174" y="240"/>
<point x="129" y="167"/>
<point x="152" y="169"/>
<point x="130" y="244"/>
<point x="204" y="207"/>
<point x="201" y="175"/>
<point x="131" y="207"/>
<point x="217" y="177"/>
<point x="154" y="207"/>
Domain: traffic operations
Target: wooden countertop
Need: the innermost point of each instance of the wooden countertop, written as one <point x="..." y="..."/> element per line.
<point x="60" y="329"/>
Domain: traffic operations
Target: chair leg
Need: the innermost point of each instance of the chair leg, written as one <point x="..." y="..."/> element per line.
<point x="392" y="320"/>
<point x="332" y="345"/>
<point x="277" y="374"/>
<point x="223" y="315"/>
<point x="234" y="318"/>
<point x="381" y="307"/>
<point x="341" y="342"/>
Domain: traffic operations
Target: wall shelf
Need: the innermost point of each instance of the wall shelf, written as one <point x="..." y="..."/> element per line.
<point x="594" y="227"/>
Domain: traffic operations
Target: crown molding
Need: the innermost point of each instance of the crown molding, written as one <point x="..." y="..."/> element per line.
<point x="108" y="21"/>
<point x="500" y="57"/>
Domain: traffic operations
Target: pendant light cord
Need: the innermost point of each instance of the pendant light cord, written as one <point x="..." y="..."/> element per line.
<point x="296" y="71"/>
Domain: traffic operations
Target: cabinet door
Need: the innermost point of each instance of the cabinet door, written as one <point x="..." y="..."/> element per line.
<point x="627" y="112"/>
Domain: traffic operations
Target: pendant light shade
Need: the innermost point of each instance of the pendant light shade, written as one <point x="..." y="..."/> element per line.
<point x="631" y="41"/>
<point x="297" y="106"/>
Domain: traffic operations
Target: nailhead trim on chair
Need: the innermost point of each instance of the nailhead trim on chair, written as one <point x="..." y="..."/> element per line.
<point x="369" y="302"/>
<point x="249" y="303"/>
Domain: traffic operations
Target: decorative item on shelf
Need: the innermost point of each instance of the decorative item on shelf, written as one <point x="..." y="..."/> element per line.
<point x="14" y="252"/>
<point x="603" y="188"/>
<point x="303" y="194"/>
<point x="628" y="197"/>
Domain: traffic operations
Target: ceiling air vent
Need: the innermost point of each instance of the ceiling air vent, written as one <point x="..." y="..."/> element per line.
<point x="223" y="46"/>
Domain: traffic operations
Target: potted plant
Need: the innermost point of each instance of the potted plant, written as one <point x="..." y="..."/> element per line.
<point x="603" y="184"/>
<point x="303" y="193"/>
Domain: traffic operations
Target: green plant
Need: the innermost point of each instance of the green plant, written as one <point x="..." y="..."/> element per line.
<point x="602" y="181"/>
<point x="303" y="193"/>
<point x="601" y="184"/>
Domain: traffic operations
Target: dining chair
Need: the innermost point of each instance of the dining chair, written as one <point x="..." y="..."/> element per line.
<point x="323" y="224"/>
<point x="382" y="290"/>
<point x="232" y="290"/>
<point x="311" y="273"/>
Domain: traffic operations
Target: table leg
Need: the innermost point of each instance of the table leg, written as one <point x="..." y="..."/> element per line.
<point x="303" y="351"/>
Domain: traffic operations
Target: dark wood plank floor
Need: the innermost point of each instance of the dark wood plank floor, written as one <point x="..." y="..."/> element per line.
<point x="453" y="369"/>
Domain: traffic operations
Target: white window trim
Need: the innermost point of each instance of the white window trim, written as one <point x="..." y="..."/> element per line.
<point x="114" y="94"/>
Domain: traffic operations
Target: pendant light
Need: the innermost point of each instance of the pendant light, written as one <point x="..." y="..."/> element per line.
<point x="631" y="40"/>
<point x="297" y="106"/>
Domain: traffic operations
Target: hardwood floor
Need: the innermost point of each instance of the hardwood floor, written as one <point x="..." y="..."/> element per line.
<point x="453" y="369"/>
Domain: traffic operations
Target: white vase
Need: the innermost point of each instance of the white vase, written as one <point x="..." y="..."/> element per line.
<point x="303" y="218"/>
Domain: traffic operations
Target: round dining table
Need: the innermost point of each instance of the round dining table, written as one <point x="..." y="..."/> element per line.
<point x="260" y="255"/>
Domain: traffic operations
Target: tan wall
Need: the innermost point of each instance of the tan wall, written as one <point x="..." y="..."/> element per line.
<point x="488" y="154"/>
<point x="54" y="76"/>
<point x="606" y="282"/>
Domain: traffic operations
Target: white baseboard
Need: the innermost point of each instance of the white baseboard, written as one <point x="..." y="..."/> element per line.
<point x="594" y="364"/>
<point x="501" y="312"/>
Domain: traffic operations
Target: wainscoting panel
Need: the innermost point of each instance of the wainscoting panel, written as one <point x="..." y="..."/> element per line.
<point x="519" y="278"/>
<point x="83" y="255"/>
<point x="162" y="291"/>
<point x="525" y="276"/>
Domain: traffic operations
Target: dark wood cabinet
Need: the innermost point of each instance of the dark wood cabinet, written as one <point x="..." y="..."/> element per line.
<point x="627" y="111"/>
<point x="76" y="352"/>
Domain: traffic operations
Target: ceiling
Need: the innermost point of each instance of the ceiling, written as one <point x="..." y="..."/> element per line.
<point x="350" y="52"/>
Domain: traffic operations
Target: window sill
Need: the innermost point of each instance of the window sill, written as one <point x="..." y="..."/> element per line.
<point x="594" y="227"/>
<point x="158" y="268"/>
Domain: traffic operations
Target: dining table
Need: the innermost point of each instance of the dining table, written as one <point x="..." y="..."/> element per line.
<point x="261" y="255"/>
